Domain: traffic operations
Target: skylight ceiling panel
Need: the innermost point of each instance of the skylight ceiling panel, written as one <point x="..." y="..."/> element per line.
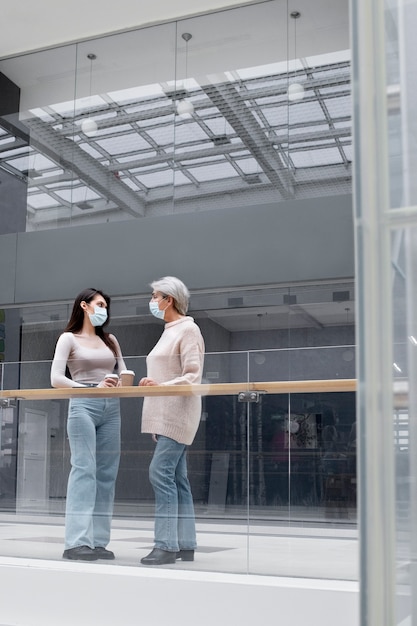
<point x="162" y="136"/>
<point x="335" y="90"/>
<point x="219" y="126"/>
<point x="348" y="150"/>
<point x="260" y="71"/>
<point x="311" y="144"/>
<point x="338" y="107"/>
<point x="275" y="116"/>
<point x="267" y="102"/>
<point x="341" y="57"/>
<point x="313" y="158"/>
<point x="304" y="129"/>
<point x="77" y="194"/>
<point x="305" y="112"/>
<point x="33" y="161"/>
<point x="248" y="166"/>
<point x="146" y="106"/>
<point x="41" y="201"/>
<point x="159" y="179"/>
<point x="43" y="115"/>
<point x="210" y="111"/>
<point x="343" y="123"/>
<point x="265" y="83"/>
<point x="125" y="143"/>
<point x="213" y="172"/>
<point x="157" y="122"/>
<point x="91" y="103"/>
<point x="181" y="179"/>
<point x="26" y="150"/>
<point x="331" y="73"/>
<point x="189" y="133"/>
<point x="71" y="108"/>
<point x="135" y="94"/>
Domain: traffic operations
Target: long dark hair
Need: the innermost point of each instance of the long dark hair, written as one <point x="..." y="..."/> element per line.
<point x="76" y="320"/>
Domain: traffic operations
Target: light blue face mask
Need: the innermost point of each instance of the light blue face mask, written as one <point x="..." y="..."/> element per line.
<point x="156" y="311"/>
<point x="99" y="316"/>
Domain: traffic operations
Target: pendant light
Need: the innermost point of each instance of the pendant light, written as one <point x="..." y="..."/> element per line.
<point x="89" y="125"/>
<point x="185" y="107"/>
<point x="295" y="89"/>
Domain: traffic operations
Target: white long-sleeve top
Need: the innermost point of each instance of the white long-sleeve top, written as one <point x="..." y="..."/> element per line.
<point x="86" y="365"/>
<point x="177" y="359"/>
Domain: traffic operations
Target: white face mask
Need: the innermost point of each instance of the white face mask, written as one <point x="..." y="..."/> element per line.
<point x="156" y="311"/>
<point x="99" y="316"/>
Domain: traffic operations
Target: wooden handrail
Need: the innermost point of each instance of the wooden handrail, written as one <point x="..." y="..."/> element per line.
<point x="218" y="389"/>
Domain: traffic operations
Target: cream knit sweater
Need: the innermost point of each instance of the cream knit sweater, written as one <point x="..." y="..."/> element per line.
<point x="177" y="359"/>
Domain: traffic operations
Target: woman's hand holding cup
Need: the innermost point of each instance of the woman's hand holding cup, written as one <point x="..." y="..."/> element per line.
<point x="110" y="380"/>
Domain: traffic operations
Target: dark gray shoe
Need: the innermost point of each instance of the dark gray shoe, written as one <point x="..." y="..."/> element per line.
<point x="159" y="557"/>
<point x="185" y="555"/>
<point x="80" y="553"/>
<point x="102" y="553"/>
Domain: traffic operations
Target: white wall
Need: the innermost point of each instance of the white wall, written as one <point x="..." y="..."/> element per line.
<point x="273" y="243"/>
<point x="49" y="593"/>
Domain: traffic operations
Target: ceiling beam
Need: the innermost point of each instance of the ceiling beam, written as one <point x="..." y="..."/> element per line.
<point x="71" y="157"/>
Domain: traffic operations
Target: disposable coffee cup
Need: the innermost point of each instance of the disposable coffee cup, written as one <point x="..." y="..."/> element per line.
<point x="127" y="378"/>
<point x="114" y="376"/>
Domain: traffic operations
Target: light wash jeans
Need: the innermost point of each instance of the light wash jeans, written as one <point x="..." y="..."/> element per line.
<point x="94" y="436"/>
<point x="174" y="508"/>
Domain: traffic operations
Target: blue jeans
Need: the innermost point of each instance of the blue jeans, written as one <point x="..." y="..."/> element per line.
<point x="174" y="508"/>
<point x="94" y="436"/>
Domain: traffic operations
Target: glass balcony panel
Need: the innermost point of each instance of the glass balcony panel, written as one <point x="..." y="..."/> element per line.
<point x="257" y="468"/>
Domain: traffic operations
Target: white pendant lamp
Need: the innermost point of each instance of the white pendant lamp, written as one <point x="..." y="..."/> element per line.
<point x="185" y="107"/>
<point x="89" y="125"/>
<point x="295" y="89"/>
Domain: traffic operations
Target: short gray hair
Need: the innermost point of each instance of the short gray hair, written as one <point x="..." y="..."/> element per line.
<point x="174" y="287"/>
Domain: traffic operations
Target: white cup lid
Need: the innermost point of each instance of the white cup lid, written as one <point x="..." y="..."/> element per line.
<point x="127" y="372"/>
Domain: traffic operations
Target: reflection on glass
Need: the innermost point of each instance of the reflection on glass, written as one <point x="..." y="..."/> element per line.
<point x="103" y="140"/>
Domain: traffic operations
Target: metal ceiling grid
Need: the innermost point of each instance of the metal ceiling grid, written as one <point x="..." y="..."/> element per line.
<point x="244" y="136"/>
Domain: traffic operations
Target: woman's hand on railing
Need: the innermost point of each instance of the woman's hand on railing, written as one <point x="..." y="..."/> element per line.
<point x="147" y="382"/>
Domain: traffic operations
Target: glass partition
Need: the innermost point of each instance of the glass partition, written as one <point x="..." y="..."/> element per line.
<point x="180" y="117"/>
<point x="270" y="472"/>
<point x="190" y="117"/>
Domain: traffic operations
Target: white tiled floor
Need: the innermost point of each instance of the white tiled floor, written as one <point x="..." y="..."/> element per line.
<point x="323" y="552"/>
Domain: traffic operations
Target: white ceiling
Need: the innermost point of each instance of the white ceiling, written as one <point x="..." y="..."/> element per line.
<point x="48" y="23"/>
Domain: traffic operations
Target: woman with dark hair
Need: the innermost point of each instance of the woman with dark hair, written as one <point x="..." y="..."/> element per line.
<point x="90" y="354"/>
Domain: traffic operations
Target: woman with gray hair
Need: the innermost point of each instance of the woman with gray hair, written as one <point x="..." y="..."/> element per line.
<point x="176" y="359"/>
